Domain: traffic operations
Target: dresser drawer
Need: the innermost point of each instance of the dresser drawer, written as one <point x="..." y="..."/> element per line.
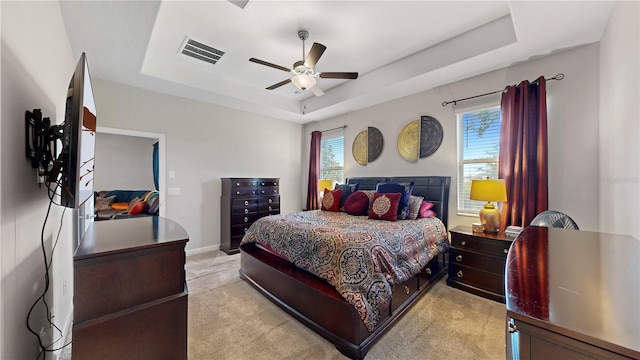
<point x="270" y="208"/>
<point x="244" y="219"/>
<point x="241" y="203"/>
<point x="478" y="278"/>
<point x="270" y="199"/>
<point x="251" y="209"/>
<point x="490" y="246"/>
<point x="268" y="190"/>
<point x="239" y="230"/>
<point x="477" y="260"/>
<point x="269" y="182"/>
<point x="244" y="184"/>
<point x="244" y="192"/>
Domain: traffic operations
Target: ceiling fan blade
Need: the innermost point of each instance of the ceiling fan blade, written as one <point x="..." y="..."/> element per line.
<point x="314" y="55"/>
<point x="339" y="75"/>
<point x="261" y="62"/>
<point x="317" y="91"/>
<point x="275" y="86"/>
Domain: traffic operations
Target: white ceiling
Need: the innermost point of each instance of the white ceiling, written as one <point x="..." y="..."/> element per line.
<point x="398" y="47"/>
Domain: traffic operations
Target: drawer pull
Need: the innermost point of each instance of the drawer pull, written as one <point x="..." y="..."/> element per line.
<point x="237" y="192"/>
<point x="427" y="271"/>
<point x="262" y="184"/>
<point x="237" y="184"/>
<point x="270" y="201"/>
<point x="246" y="211"/>
<point x="263" y="191"/>
<point x="253" y="184"/>
<point x="270" y="208"/>
<point x="459" y="274"/>
<point x="245" y="230"/>
<point x="246" y="202"/>
<point x="406" y="289"/>
<point x="463" y="243"/>
<point x="459" y="258"/>
<point x="246" y="219"/>
<point x="506" y="251"/>
<point x="512" y="327"/>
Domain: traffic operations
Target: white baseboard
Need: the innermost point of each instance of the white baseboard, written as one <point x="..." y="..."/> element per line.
<point x="202" y="250"/>
<point x="66" y="331"/>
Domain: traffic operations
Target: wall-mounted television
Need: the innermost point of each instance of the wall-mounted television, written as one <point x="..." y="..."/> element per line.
<point x="79" y="139"/>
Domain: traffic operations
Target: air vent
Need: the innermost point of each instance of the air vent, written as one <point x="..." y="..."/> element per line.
<point x="240" y="3"/>
<point x="201" y="51"/>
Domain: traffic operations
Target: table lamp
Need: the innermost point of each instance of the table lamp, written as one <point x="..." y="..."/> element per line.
<point x="489" y="190"/>
<point x="324" y="184"/>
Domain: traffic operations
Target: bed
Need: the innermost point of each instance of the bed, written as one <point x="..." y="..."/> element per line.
<point x="325" y="309"/>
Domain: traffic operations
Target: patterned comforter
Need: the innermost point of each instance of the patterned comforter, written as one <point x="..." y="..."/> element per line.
<point x="360" y="257"/>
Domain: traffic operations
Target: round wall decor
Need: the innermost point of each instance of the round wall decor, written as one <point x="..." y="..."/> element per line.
<point x="420" y="138"/>
<point x="367" y="146"/>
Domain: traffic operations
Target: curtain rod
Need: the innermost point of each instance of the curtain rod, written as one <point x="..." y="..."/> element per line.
<point x="336" y="128"/>
<point x="559" y="76"/>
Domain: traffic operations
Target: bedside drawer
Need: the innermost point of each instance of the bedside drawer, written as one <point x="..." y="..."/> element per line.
<point x="401" y="292"/>
<point x="480" y="279"/>
<point x="467" y="242"/>
<point x="477" y="260"/>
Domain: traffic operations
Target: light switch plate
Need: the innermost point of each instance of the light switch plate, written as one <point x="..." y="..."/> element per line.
<point x="173" y="191"/>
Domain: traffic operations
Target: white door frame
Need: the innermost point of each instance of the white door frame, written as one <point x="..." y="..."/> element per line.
<point x="162" y="187"/>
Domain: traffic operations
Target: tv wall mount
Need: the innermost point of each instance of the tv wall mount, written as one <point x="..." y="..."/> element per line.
<point x="41" y="145"/>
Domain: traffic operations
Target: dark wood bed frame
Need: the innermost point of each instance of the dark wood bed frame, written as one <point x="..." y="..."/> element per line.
<point x="319" y="306"/>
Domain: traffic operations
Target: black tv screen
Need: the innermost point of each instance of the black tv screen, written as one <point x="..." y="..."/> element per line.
<point x="79" y="139"/>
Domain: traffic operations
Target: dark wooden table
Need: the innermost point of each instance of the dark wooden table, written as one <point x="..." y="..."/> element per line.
<point x="573" y="295"/>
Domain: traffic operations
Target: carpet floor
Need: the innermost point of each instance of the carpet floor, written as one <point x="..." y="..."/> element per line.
<point x="228" y="319"/>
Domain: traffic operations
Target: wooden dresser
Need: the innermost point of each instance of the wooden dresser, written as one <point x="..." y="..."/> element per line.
<point x="130" y="294"/>
<point x="573" y="295"/>
<point x="243" y="201"/>
<point x="477" y="261"/>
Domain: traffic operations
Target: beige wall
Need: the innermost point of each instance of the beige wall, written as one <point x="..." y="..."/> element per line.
<point x="205" y="142"/>
<point x="37" y="64"/>
<point x="572" y="121"/>
<point x="123" y="162"/>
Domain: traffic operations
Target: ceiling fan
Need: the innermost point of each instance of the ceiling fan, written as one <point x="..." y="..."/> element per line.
<point x="305" y="77"/>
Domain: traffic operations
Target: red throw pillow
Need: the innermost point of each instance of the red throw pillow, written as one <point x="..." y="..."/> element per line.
<point x="331" y="200"/>
<point x="425" y="210"/>
<point x="385" y="206"/>
<point x="137" y="208"/>
<point x="357" y="204"/>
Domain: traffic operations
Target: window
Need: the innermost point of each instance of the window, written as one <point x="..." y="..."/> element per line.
<point x="478" y="149"/>
<point x="332" y="159"/>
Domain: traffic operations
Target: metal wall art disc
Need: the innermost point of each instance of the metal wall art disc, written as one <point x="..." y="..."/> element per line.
<point x="430" y="136"/>
<point x="408" y="141"/>
<point x="375" y="143"/>
<point x="359" y="148"/>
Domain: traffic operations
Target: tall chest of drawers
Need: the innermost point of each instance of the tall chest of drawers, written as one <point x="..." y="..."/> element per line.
<point x="243" y="201"/>
<point x="477" y="262"/>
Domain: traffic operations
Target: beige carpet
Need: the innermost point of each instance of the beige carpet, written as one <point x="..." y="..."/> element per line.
<point x="228" y="319"/>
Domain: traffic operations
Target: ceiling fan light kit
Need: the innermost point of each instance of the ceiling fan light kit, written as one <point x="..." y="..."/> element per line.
<point x="305" y="76"/>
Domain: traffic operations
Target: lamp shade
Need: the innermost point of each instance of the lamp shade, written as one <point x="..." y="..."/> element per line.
<point x="303" y="81"/>
<point x="325" y="184"/>
<point x="488" y="190"/>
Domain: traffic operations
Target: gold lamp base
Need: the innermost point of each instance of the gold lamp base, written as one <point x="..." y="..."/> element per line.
<point x="490" y="218"/>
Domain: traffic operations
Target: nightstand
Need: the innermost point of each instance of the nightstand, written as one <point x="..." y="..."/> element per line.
<point x="477" y="261"/>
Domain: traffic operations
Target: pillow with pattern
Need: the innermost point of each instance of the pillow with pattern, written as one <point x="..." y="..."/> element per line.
<point x="414" y="207"/>
<point x="331" y="200"/>
<point x="402" y="188"/>
<point x="137" y="208"/>
<point x="385" y="206"/>
<point x="103" y="203"/>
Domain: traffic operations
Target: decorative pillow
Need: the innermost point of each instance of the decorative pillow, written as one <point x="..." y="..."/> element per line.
<point x="133" y="203"/>
<point x="103" y="203"/>
<point x="414" y="206"/>
<point x="385" y="206"/>
<point x="425" y="210"/>
<point x="331" y="200"/>
<point x="153" y="205"/>
<point x="347" y="189"/>
<point x="402" y="188"/>
<point x="120" y="206"/>
<point x="137" y="208"/>
<point x="357" y="204"/>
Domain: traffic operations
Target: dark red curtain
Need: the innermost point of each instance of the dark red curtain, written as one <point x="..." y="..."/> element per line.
<point x="523" y="152"/>
<point x="313" y="202"/>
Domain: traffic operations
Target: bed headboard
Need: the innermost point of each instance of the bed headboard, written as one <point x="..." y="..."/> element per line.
<point x="434" y="189"/>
